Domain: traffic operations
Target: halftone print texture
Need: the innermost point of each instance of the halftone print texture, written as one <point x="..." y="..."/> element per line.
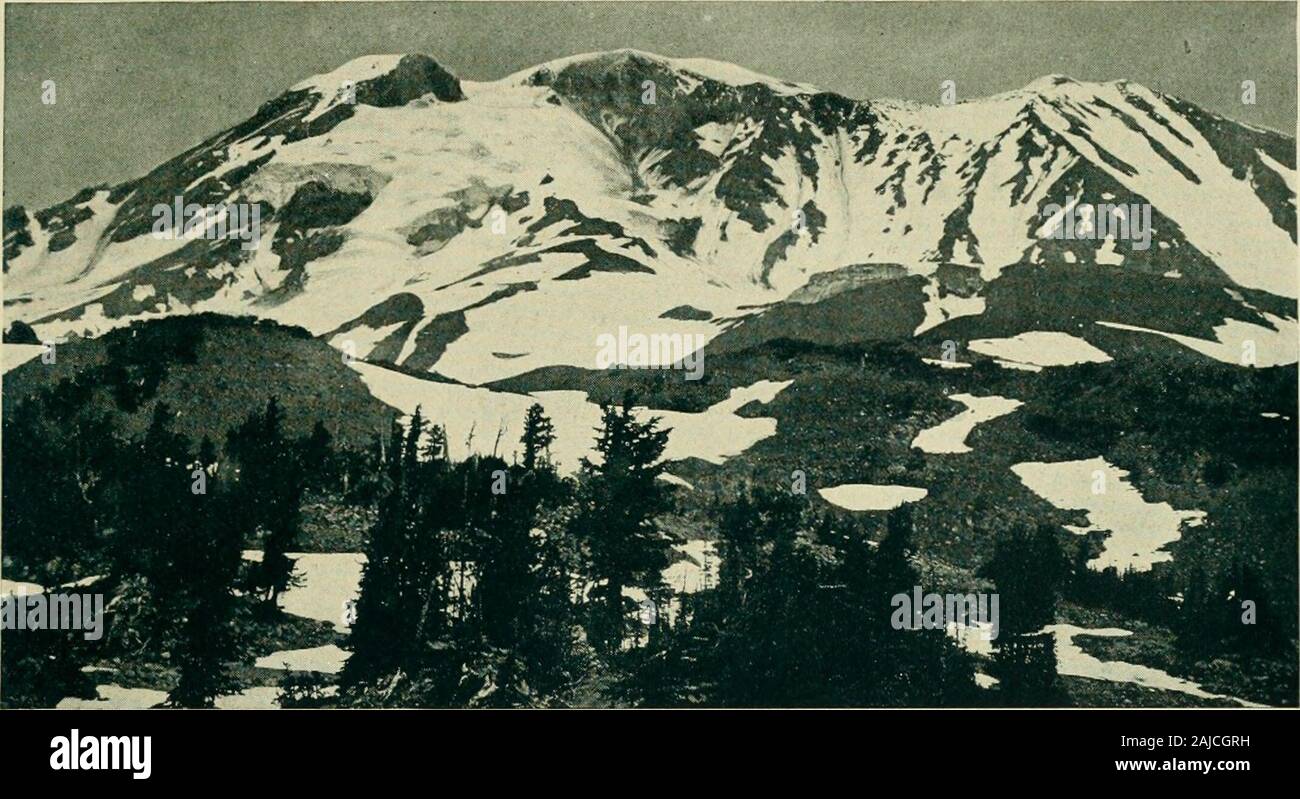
<point x="650" y="355"/>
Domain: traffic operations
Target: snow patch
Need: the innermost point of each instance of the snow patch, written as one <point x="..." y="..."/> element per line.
<point x="15" y="355"/>
<point x="949" y="437"/>
<point x="940" y="309"/>
<point x="1275" y="346"/>
<point x="1137" y="531"/>
<point x="866" y="496"/>
<point x="942" y="364"/>
<point x="1041" y="349"/>
<point x="1072" y="661"/>
<point x="673" y="479"/>
<point x="329" y="581"/>
<point x="327" y="659"/>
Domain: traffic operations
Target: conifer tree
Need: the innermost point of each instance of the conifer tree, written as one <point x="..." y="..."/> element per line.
<point x="377" y="631"/>
<point x="1027" y="571"/>
<point x="271" y="485"/>
<point x="145" y="531"/>
<point x="318" y="458"/>
<point x="618" y="500"/>
<point x="911" y="666"/>
<point x="539" y="434"/>
<point x="59" y="474"/>
<point x="206" y="556"/>
<point x="768" y="606"/>
<point x="403" y="628"/>
<point x="523" y="587"/>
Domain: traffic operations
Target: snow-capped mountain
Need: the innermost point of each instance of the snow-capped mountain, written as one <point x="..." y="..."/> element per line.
<point x="482" y="230"/>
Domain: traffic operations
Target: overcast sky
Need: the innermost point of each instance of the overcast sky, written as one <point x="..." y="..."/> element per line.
<point x="139" y="83"/>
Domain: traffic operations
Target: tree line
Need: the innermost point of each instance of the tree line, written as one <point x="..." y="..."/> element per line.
<point x="495" y="583"/>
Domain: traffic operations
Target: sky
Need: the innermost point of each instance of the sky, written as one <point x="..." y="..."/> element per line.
<point x="138" y="83"/>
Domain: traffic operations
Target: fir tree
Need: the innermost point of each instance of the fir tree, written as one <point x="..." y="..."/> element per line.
<point x="618" y="500"/>
<point x="1027" y="572"/>
<point x="403" y="629"/>
<point x="377" y="630"/>
<point x="207" y="557"/>
<point x="319" y="459"/>
<point x="271" y="484"/>
<point x="539" y="434"/>
<point x="765" y="622"/>
<point x="523" y="586"/>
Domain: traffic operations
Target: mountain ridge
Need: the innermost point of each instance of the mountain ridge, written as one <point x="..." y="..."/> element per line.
<point x="561" y="186"/>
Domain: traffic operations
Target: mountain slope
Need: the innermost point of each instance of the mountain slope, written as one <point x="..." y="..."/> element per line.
<point x="212" y="371"/>
<point x="437" y="225"/>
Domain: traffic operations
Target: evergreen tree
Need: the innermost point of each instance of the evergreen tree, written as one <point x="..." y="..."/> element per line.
<point x="271" y="483"/>
<point x="60" y="484"/>
<point x="1205" y="613"/>
<point x="376" y="632"/>
<point x="1027" y="572"/>
<point x="318" y="459"/>
<point x="770" y="600"/>
<point x="515" y="627"/>
<point x="664" y="672"/>
<point x="41" y="667"/>
<point x="207" y="557"/>
<point x="523" y="586"/>
<point x="403" y="630"/>
<point x="56" y="486"/>
<point x="158" y="507"/>
<point x="893" y="571"/>
<point x="881" y="664"/>
<point x="618" y="500"/>
<point x="539" y="434"/>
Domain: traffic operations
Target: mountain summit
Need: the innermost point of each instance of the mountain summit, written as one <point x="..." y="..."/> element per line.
<point x="481" y="230"/>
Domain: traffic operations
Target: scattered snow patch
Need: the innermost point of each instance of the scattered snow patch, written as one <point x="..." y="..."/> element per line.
<point x="1138" y="531"/>
<point x="949" y="437"/>
<point x="1072" y="661"/>
<point x="1039" y="348"/>
<point x="1275" y="346"/>
<point x="866" y="496"/>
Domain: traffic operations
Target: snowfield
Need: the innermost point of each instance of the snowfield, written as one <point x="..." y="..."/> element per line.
<point x="1239" y="343"/>
<point x="1036" y="349"/>
<point x="329" y="581"/>
<point x="1136" y="531"/>
<point x="869" y="497"/>
<point x="949" y="437"/>
<point x="1072" y="661"/>
<point x="489" y="213"/>
<point x="485" y="422"/>
<point x="327" y="659"/>
<point x="14" y="355"/>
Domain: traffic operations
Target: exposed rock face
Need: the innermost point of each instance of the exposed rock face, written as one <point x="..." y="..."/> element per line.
<point x="827" y="284"/>
<point x="625" y="188"/>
